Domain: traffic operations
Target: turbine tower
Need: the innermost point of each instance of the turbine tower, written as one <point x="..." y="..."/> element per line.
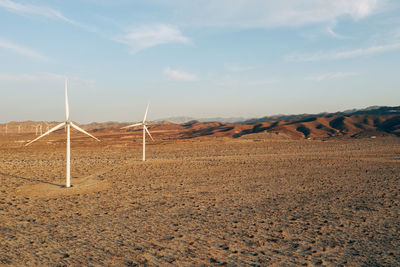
<point x="143" y="123"/>
<point x="68" y="124"/>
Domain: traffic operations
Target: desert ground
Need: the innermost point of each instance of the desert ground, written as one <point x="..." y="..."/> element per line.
<point x="257" y="200"/>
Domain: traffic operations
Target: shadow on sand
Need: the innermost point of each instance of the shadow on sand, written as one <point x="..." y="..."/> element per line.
<point x="30" y="179"/>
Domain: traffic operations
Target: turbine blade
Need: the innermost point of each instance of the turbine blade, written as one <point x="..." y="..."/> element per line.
<point x="148" y="132"/>
<point x="46" y="133"/>
<point x="145" y="114"/>
<point x="83" y="131"/>
<point x="133" y="125"/>
<point x="66" y="101"/>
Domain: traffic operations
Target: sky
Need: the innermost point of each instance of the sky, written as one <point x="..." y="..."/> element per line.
<point x="198" y="58"/>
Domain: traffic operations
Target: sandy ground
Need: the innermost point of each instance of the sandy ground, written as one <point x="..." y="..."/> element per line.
<point x="210" y="201"/>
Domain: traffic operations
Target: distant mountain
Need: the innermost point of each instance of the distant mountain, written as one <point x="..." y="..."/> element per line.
<point x="377" y="110"/>
<point x="368" y="122"/>
<point x="373" y="110"/>
<point x="184" y="119"/>
<point x="178" y="119"/>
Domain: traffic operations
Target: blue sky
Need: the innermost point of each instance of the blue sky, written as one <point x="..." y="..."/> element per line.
<point x="209" y="58"/>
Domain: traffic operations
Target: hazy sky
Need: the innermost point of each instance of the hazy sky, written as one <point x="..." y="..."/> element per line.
<point x="208" y="58"/>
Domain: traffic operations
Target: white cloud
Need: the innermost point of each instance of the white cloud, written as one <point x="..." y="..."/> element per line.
<point x="178" y="75"/>
<point x="143" y="37"/>
<point x="269" y="13"/>
<point x="330" y="76"/>
<point x="336" y="55"/>
<point x="18" y="49"/>
<point x="43" y="11"/>
<point x="330" y="30"/>
<point x="332" y="33"/>
<point x="25" y="9"/>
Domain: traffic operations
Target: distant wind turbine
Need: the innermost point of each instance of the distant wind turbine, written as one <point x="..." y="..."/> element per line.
<point x="68" y="124"/>
<point x="143" y="123"/>
<point x="38" y="129"/>
<point x="48" y="127"/>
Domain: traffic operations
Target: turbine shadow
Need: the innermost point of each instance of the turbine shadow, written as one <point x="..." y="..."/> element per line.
<point x="30" y="179"/>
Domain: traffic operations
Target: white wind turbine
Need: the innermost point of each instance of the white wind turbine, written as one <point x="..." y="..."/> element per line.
<point x="143" y="123"/>
<point x="68" y="124"/>
<point x="37" y="128"/>
<point x="48" y="126"/>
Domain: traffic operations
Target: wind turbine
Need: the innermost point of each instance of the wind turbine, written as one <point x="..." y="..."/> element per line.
<point x="37" y="128"/>
<point x="68" y="124"/>
<point x="48" y="127"/>
<point x="143" y="123"/>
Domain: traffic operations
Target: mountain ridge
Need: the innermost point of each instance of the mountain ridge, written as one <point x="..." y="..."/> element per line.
<point x="369" y="110"/>
<point x="371" y="121"/>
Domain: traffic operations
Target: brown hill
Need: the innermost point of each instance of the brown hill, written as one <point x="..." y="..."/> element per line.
<point x="382" y="121"/>
<point x="313" y="127"/>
